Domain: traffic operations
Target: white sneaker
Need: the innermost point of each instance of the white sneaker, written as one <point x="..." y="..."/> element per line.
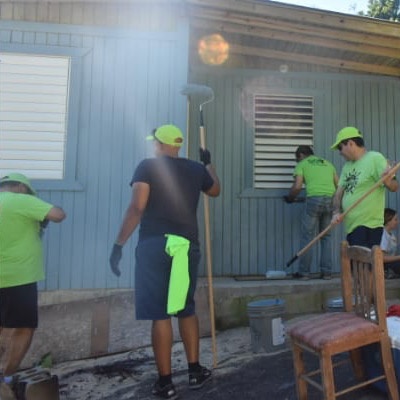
<point x="6" y="392"/>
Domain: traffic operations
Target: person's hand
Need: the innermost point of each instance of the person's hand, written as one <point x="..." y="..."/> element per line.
<point x="115" y="258"/>
<point x="288" y="199"/>
<point x="388" y="175"/>
<point x="337" y="218"/>
<point x="205" y="156"/>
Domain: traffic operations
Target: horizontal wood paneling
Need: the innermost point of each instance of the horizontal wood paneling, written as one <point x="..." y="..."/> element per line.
<point x="142" y="16"/>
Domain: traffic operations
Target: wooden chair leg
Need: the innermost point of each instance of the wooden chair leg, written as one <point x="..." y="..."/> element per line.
<point x="299" y="370"/>
<point x="328" y="381"/>
<point x="387" y="363"/>
<point x="358" y="364"/>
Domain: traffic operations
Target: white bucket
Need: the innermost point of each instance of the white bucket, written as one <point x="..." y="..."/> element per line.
<point x="266" y="326"/>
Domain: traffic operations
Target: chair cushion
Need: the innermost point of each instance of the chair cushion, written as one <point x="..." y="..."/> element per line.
<point x="332" y="329"/>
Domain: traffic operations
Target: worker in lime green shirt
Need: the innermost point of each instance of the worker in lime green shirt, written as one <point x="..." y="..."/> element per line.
<point x="22" y="217"/>
<point x="320" y="179"/>
<point x="362" y="170"/>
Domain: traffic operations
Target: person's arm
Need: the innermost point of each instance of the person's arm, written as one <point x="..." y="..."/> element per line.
<point x="296" y="188"/>
<point x="56" y="214"/>
<point x="133" y="215"/>
<point x="391" y="182"/>
<point x="335" y="180"/>
<point x="389" y="259"/>
<point x="387" y="246"/>
<point x="215" y="189"/>
<point x="134" y="212"/>
<point x="205" y="158"/>
<point x="337" y="216"/>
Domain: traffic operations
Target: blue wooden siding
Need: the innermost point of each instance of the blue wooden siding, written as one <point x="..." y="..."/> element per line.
<point x="128" y="82"/>
<point x="254" y="230"/>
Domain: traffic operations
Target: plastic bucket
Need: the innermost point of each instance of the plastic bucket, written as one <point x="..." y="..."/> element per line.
<point x="335" y="304"/>
<point x="266" y="326"/>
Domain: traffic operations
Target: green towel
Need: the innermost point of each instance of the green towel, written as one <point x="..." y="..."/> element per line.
<point x="177" y="247"/>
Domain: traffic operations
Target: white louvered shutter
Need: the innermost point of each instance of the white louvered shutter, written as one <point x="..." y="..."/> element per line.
<point x="281" y="124"/>
<point x="33" y="115"/>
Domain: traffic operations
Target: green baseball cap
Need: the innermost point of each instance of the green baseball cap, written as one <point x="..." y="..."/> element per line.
<point x="168" y="134"/>
<point x="15" y="177"/>
<point x="349" y="132"/>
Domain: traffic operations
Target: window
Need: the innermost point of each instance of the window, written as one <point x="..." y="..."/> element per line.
<point x="33" y="114"/>
<point x="282" y="123"/>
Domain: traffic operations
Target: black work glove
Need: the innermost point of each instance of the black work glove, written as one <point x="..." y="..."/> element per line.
<point x="288" y="199"/>
<point x="205" y="156"/>
<point x="42" y="226"/>
<point x="115" y="258"/>
<point x="44" y="223"/>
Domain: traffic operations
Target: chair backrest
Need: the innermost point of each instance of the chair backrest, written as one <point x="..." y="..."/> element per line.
<point x="363" y="282"/>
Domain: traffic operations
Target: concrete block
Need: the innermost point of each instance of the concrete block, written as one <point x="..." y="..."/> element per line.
<point x="85" y="323"/>
<point x="37" y="384"/>
<point x="80" y="324"/>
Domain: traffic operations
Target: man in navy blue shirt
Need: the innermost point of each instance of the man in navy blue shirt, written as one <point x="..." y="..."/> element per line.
<point x="165" y="196"/>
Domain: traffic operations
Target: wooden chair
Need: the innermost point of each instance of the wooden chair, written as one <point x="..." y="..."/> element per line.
<point x="362" y="322"/>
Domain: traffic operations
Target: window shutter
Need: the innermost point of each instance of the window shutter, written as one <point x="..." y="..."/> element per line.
<point x="33" y="114"/>
<point x="282" y="123"/>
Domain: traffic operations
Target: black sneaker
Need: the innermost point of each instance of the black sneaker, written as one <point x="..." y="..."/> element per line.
<point x="199" y="378"/>
<point x="165" y="392"/>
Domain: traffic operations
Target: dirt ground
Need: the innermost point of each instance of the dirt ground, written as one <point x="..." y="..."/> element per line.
<point x="131" y="375"/>
<point x="240" y="374"/>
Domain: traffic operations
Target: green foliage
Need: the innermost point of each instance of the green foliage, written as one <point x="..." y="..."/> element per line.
<point x="383" y="9"/>
<point x="46" y="361"/>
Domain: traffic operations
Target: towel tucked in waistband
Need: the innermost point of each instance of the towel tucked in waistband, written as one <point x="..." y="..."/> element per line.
<point x="177" y="247"/>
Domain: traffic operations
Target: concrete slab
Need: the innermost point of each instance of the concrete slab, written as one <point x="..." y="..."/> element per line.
<point x="86" y="323"/>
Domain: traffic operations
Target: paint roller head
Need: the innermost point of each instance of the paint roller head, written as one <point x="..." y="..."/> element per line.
<point x="275" y="275"/>
<point x="193" y="89"/>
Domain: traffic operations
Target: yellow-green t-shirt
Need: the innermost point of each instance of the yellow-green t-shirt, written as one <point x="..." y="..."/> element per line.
<point x="356" y="178"/>
<point x="318" y="176"/>
<point x="21" y="255"/>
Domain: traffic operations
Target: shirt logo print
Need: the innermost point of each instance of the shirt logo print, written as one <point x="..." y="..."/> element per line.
<point x="351" y="181"/>
<point x="317" y="162"/>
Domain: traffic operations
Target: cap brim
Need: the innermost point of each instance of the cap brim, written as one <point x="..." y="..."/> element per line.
<point x="31" y="189"/>
<point x="150" y="137"/>
<point x="335" y="145"/>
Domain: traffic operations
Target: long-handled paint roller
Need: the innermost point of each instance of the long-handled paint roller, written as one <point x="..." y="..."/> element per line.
<point x="207" y="95"/>
<point x="379" y="183"/>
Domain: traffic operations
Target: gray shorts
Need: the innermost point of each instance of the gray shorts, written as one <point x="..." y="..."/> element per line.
<point x="153" y="267"/>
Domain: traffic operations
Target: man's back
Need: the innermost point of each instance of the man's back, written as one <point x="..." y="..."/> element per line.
<point x="175" y="186"/>
<point x="21" y="248"/>
<point x="318" y="175"/>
